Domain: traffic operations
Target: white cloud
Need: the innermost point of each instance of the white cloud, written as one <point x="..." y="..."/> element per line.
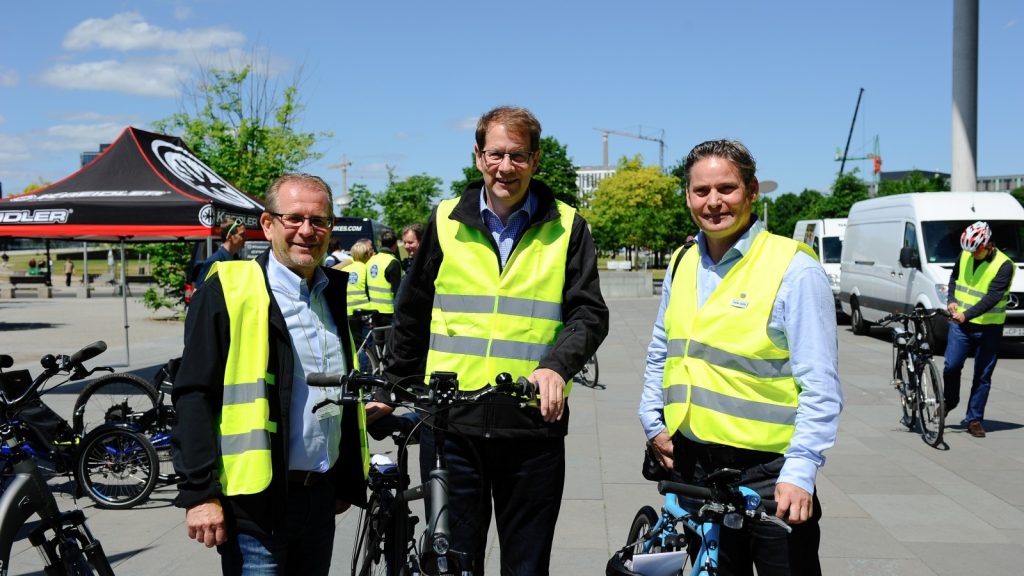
<point x="182" y="12"/>
<point x="141" y="77"/>
<point x="128" y="31"/>
<point x="13" y="149"/>
<point x="8" y="77"/>
<point x="466" y="123"/>
<point x="79" y="137"/>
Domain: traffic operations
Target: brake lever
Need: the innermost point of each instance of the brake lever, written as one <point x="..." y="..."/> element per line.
<point x="766" y="517"/>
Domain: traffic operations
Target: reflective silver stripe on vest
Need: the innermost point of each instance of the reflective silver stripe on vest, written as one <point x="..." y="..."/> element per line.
<point x="506" y="305"/>
<point x="468" y="346"/>
<point x="993" y="310"/>
<point x="240" y="443"/>
<point x="378" y="289"/>
<point x="382" y="300"/>
<point x="676" y="394"/>
<point x="245" y="393"/>
<point x="676" y="348"/>
<point x="969" y="291"/>
<point x="746" y="409"/>
<point x="761" y="368"/>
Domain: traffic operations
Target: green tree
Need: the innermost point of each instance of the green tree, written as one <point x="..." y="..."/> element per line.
<point x="556" y="170"/>
<point x="409" y="201"/>
<point x="243" y="128"/>
<point x="786" y="209"/>
<point x="914" y="182"/>
<point x="846" y="190"/>
<point x="363" y="203"/>
<point x="1018" y="193"/>
<point x="638" y="206"/>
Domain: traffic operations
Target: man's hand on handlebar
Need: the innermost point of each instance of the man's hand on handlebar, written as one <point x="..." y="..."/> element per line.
<point x="551" y="387"/>
<point x="794" y="501"/>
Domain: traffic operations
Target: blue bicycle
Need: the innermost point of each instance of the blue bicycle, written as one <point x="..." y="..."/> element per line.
<point x="657" y="548"/>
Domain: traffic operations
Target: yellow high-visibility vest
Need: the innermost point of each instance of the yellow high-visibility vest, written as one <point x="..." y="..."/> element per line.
<point x="725" y="381"/>
<point x="487" y="320"/>
<point x="972" y="282"/>
<point x="356" y="297"/>
<point x="382" y="299"/>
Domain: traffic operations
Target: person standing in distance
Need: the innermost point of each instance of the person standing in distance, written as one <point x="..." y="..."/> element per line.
<point x="411" y="236"/>
<point x="742" y="369"/>
<point x="232" y="235"/>
<point x="261" y="476"/>
<point x="383" y="275"/>
<point x="979" y="288"/>
<point x="505" y="280"/>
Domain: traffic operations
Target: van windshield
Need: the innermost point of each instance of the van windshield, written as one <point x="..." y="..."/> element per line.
<point x="833" y="250"/>
<point x="942" y="239"/>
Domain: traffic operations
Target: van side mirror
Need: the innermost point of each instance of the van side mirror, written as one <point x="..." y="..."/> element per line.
<point x="909" y="258"/>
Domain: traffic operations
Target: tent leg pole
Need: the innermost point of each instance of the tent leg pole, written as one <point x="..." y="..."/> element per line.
<point x="124" y="302"/>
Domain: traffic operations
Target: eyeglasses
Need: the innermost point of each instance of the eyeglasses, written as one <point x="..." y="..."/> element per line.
<point x="296" y="220"/>
<point x="519" y="158"/>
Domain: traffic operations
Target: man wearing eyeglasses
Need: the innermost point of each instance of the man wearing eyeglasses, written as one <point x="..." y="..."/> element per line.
<point x="261" y="474"/>
<point x="505" y="281"/>
<point x="232" y="236"/>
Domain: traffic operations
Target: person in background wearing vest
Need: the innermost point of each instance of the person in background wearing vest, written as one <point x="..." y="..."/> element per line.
<point x="505" y="280"/>
<point x="411" y="236"/>
<point x="232" y="235"/>
<point x="358" y="297"/>
<point x="383" y="275"/>
<point x="979" y="287"/>
<point x="260" y="475"/>
<point x="742" y="369"/>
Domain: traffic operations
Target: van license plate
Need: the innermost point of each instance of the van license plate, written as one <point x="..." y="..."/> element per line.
<point x="1013" y="331"/>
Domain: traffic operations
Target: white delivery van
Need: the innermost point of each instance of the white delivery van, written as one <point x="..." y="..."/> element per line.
<point x="825" y="237"/>
<point x="899" y="251"/>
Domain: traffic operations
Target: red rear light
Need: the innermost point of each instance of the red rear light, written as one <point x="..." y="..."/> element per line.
<point x="188" y="292"/>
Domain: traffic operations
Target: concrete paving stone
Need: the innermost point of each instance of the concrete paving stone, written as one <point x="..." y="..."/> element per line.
<point x="904" y="484"/>
<point x="861" y="537"/>
<point x="834" y="502"/>
<point x="581" y="525"/>
<point x="928" y="518"/>
<point x="874" y="567"/>
<point x="970" y="558"/>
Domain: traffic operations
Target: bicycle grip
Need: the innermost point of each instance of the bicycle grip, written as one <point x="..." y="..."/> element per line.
<point x="322" y="380"/>
<point x="688" y="490"/>
<point x="415" y="493"/>
<point x="89" y="352"/>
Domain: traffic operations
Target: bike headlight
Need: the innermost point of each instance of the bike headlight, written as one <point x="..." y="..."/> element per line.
<point x="440" y="545"/>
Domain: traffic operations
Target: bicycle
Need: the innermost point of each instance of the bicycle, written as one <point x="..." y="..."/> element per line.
<point x="126" y="400"/>
<point x="914" y="374"/>
<point x="385" y="541"/>
<point x="655" y="546"/>
<point x="374" y="346"/>
<point x="113" y="465"/>
<point x="587" y="375"/>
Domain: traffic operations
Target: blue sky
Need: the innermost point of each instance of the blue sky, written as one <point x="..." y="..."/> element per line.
<point x="401" y="83"/>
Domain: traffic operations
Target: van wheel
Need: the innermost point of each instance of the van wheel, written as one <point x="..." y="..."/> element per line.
<point x="857" y="322"/>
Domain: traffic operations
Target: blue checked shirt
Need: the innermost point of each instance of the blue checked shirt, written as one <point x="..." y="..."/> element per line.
<point x="505" y="234"/>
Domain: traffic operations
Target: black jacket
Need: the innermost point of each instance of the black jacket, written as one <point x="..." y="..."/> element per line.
<point x="197" y="397"/>
<point x="584" y="314"/>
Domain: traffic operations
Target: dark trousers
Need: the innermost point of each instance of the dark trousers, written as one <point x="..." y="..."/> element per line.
<point x="525" y="479"/>
<point x="984" y="340"/>
<point x="304" y="548"/>
<point x="760" y="544"/>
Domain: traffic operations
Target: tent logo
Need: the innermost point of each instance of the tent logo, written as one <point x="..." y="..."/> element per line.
<point x="52" y="216"/>
<point x="206" y="215"/>
<point x="191" y="171"/>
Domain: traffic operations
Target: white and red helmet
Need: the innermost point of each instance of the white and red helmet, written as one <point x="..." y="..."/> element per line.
<point x="975" y="236"/>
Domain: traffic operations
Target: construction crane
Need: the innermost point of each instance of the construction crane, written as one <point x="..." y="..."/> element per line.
<point x="660" y="140"/>
<point x="875" y="155"/>
<point x="344" y="200"/>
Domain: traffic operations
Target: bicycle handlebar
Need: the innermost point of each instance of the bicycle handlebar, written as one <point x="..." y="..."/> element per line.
<point x="719" y="495"/>
<point x="917" y="314"/>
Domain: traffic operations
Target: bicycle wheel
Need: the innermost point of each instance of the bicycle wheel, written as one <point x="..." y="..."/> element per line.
<point x="368" y="554"/>
<point x="931" y="403"/>
<point x="587" y="376"/>
<point x="119" y="399"/>
<point x="905" y="382"/>
<point x="117" y="468"/>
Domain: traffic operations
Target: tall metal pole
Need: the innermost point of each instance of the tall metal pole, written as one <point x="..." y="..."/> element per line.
<point x="850" y="135"/>
<point x="965" y="96"/>
<point x="604" y="148"/>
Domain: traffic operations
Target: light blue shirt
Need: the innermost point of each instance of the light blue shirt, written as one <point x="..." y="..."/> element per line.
<point x="803" y="321"/>
<point x="313" y="439"/>
<point x="505" y="234"/>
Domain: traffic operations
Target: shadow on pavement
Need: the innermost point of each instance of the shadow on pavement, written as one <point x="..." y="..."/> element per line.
<point x="5" y="326"/>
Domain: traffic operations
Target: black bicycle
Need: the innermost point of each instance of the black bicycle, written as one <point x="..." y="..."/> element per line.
<point x="587" y="375"/>
<point x="126" y="400"/>
<point x="113" y="465"/>
<point x="385" y="541"/>
<point x="914" y="374"/>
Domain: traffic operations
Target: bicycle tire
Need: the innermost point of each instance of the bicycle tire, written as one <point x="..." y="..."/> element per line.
<point x="905" y="385"/>
<point x="117" y="468"/>
<point x="593" y="368"/>
<point x="646" y="518"/>
<point x="119" y="399"/>
<point x="931" y="404"/>
<point x="368" y="553"/>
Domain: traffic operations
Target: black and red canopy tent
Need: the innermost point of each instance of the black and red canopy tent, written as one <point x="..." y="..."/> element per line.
<point x="144" y="187"/>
